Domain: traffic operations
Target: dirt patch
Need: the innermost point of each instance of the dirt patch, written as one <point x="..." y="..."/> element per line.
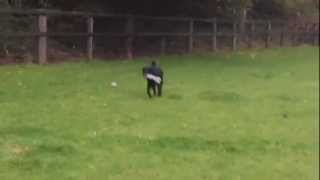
<point x="19" y="150"/>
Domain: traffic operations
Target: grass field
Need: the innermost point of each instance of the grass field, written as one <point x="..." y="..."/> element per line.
<point x="249" y="115"/>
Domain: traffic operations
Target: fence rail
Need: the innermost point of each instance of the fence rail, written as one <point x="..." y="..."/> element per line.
<point x="248" y="35"/>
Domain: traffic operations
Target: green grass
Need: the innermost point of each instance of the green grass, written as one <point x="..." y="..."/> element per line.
<point x="249" y="115"/>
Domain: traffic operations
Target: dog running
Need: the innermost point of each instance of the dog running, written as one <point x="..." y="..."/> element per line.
<point x="154" y="76"/>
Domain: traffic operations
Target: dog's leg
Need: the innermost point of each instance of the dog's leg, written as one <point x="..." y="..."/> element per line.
<point x="154" y="89"/>
<point x="159" y="88"/>
<point x="149" y="87"/>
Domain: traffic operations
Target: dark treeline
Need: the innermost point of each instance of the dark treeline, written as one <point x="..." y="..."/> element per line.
<point x="190" y="8"/>
<point x="239" y="10"/>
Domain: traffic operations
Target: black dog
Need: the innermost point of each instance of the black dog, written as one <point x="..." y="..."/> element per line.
<point x="154" y="77"/>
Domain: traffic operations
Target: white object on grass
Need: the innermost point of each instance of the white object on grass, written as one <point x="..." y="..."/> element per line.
<point x="114" y="84"/>
<point x="154" y="78"/>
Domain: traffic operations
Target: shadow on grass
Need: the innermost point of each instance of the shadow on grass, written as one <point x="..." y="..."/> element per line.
<point x="264" y="76"/>
<point x="175" y="97"/>
<point x="286" y="98"/>
<point x="193" y="144"/>
<point x="22" y="131"/>
<point x="220" y="96"/>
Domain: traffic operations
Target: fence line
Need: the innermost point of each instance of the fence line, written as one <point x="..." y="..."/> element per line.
<point x="130" y="32"/>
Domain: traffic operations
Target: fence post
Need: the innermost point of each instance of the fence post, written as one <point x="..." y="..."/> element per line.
<point x="297" y="32"/>
<point x="315" y="39"/>
<point x="251" y="38"/>
<point x="214" y="35"/>
<point x="163" y="45"/>
<point x="268" y="36"/>
<point x="90" y="23"/>
<point x="42" y="40"/>
<point x="282" y="35"/>
<point x="234" y="36"/>
<point x="293" y="37"/>
<point x="191" y="30"/>
<point x="130" y="34"/>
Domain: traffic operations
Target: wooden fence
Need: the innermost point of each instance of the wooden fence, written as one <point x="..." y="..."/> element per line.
<point x="284" y="29"/>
